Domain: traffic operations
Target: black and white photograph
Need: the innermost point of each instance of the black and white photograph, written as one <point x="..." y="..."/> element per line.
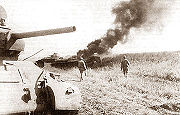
<point x="89" y="57"/>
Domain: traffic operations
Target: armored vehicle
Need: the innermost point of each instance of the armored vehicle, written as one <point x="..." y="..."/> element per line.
<point x="26" y="88"/>
<point x="92" y="61"/>
<point x="51" y="58"/>
<point x="65" y="63"/>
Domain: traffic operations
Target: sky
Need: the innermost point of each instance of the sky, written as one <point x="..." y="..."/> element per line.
<point x="92" y="19"/>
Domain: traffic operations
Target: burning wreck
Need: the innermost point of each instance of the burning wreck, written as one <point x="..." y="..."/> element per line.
<point x="128" y="14"/>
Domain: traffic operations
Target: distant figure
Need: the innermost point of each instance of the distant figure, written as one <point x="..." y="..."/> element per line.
<point x="82" y="67"/>
<point x="124" y="65"/>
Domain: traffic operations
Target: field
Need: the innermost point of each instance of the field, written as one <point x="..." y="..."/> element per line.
<point x="151" y="87"/>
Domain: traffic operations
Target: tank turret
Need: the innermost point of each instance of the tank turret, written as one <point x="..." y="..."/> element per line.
<point x="10" y="43"/>
<point x="11" y="46"/>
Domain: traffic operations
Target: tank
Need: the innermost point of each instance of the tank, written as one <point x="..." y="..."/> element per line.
<point x="26" y="88"/>
<point x="52" y="58"/>
<point x="66" y="62"/>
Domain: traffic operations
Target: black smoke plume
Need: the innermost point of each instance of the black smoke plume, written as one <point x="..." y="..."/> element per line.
<point x="129" y="14"/>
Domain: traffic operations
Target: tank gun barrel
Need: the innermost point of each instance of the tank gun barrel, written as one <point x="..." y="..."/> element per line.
<point x="43" y="32"/>
<point x="16" y="36"/>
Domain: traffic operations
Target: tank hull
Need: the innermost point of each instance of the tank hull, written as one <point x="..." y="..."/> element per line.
<point x="21" y="75"/>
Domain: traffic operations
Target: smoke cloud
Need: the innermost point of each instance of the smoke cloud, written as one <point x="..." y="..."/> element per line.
<point x="128" y="14"/>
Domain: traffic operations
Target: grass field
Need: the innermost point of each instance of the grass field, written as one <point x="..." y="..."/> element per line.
<point x="152" y="85"/>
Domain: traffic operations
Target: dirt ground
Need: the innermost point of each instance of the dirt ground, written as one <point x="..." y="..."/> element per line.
<point x="151" y="87"/>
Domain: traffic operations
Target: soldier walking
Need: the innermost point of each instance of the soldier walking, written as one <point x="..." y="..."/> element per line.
<point x="124" y="65"/>
<point x="82" y="67"/>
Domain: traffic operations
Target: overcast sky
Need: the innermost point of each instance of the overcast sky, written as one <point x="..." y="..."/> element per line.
<point x="92" y="18"/>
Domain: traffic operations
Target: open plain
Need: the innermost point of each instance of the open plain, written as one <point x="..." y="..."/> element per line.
<point x="151" y="87"/>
